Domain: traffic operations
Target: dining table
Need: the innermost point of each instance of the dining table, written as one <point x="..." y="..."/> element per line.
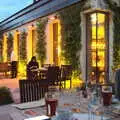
<point x="71" y="106"/>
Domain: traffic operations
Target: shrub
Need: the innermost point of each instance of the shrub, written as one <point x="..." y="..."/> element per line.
<point x="5" y="96"/>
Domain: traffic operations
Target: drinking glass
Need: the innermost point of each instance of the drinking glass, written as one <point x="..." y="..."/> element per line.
<point x="51" y="100"/>
<point x="107" y="95"/>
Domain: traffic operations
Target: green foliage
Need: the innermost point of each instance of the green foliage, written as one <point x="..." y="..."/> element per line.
<point x="41" y="37"/>
<point x="5" y="96"/>
<point x="71" y="33"/>
<point x="1" y="57"/>
<point x="22" y="47"/>
<point x="9" y="45"/>
<point x="116" y="43"/>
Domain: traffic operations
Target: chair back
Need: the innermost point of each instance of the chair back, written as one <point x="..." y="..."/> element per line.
<point x="53" y="75"/>
<point x="32" y="90"/>
<point x="66" y="72"/>
<point x="46" y="65"/>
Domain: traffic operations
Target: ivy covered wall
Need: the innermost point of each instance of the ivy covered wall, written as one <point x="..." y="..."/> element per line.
<point x="1" y="47"/>
<point x="22" y="46"/>
<point x="71" y="34"/>
<point x="9" y="45"/>
<point x="116" y="31"/>
<point x="41" y="39"/>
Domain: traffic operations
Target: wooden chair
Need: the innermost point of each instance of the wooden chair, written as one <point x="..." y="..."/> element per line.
<point x="66" y="74"/>
<point x="46" y="65"/>
<point x="31" y="75"/>
<point x="32" y="90"/>
<point x="53" y="75"/>
<point x="5" y="68"/>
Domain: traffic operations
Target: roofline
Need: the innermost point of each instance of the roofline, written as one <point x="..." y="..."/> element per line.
<point x="22" y="10"/>
<point x="34" y="11"/>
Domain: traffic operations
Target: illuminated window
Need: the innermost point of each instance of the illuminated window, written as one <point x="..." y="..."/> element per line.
<point x="97" y="47"/>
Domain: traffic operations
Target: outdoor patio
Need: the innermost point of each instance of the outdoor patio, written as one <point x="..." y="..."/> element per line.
<point x="60" y="59"/>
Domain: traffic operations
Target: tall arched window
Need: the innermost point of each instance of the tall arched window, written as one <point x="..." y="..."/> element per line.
<point x="97" y="47"/>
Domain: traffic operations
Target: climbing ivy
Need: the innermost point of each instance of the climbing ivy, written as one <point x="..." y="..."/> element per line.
<point x="41" y="39"/>
<point x="9" y="45"/>
<point x="116" y="43"/>
<point x="71" y="33"/>
<point x="22" y="46"/>
<point x="1" y="44"/>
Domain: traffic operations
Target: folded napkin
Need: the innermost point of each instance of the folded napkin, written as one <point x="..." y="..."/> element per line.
<point x="43" y="117"/>
<point x="28" y="105"/>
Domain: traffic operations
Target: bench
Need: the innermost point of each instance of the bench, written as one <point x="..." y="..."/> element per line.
<point x="32" y="90"/>
<point x="5" y="67"/>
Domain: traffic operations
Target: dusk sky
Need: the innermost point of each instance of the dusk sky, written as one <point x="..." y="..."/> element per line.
<point x="9" y="7"/>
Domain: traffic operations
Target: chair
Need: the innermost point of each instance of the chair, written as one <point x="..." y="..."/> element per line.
<point x="31" y="75"/>
<point x="66" y="74"/>
<point x="46" y="65"/>
<point x="53" y="75"/>
<point x="32" y="90"/>
<point x="42" y="74"/>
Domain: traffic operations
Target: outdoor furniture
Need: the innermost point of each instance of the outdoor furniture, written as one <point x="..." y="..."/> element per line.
<point x="53" y="75"/>
<point x="66" y="74"/>
<point x="46" y="65"/>
<point x="32" y="90"/>
<point x="5" y="68"/>
<point x="70" y="101"/>
<point x="32" y="74"/>
<point x="42" y="73"/>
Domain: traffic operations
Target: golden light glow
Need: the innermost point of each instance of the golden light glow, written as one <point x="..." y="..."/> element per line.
<point x="93" y="18"/>
<point x="30" y="43"/>
<point x="59" y="43"/>
<point x="50" y="42"/>
<point x="21" y="69"/>
<point x="52" y="17"/>
<point x="98" y="43"/>
<point x="5" y="48"/>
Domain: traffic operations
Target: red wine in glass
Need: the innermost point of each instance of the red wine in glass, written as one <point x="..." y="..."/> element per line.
<point x="51" y="105"/>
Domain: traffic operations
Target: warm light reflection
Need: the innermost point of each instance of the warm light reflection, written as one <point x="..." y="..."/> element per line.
<point x="98" y="44"/>
<point x="30" y="42"/>
<point x="59" y="43"/>
<point x="50" y="42"/>
<point x="93" y="18"/>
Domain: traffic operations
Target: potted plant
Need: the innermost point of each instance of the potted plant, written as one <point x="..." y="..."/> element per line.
<point x="5" y="96"/>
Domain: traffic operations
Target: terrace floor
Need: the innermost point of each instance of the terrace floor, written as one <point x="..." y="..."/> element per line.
<point x="13" y="85"/>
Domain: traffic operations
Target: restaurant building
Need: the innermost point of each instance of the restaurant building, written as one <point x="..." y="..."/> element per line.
<point x="83" y="33"/>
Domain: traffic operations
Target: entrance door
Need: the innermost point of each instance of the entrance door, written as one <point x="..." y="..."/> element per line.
<point x="97" y="64"/>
